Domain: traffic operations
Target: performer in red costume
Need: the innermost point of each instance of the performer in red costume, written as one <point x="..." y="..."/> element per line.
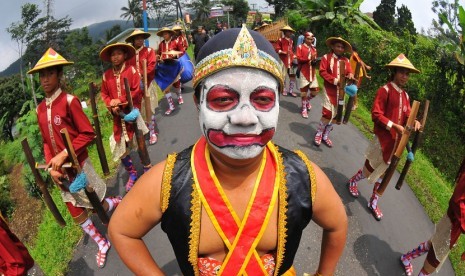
<point x="180" y="37"/>
<point x="329" y="71"/>
<point x="390" y="112"/>
<point x="446" y="234"/>
<point x="137" y="39"/>
<point x="234" y="203"/>
<point x="113" y="94"/>
<point x="285" y="48"/>
<point x="14" y="257"/>
<point x="62" y="110"/>
<point x="169" y="43"/>
<point x="306" y="55"/>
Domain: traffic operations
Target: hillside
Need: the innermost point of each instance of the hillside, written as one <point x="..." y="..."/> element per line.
<point x="96" y="31"/>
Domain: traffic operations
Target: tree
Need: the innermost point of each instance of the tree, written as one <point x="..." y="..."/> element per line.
<point x="240" y="8"/>
<point x="404" y="20"/>
<point x="201" y="8"/>
<point x="19" y="32"/>
<point x="447" y="12"/>
<point x="384" y="14"/>
<point x="325" y="12"/>
<point x="11" y="103"/>
<point x="160" y="10"/>
<point x="133" y="12"/>
<point x="281" y="6"/>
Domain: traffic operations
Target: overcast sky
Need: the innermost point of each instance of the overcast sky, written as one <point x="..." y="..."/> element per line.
<point x="86" y="12"/>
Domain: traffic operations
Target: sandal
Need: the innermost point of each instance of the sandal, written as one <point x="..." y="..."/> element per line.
<point x="309" y="106"/>
<point x="169" y="111"/>
<point x="407" y="267"/>
<point x="353" y="190"/>
<point x="317" y="139"/>
<point x="153" y="139"/>
<point x="101" y="256"/>
<point x="376" y="212"/>
<point x="328" y="142"/>
<point x="293" y="94"/>
<point x="304" y="113"/>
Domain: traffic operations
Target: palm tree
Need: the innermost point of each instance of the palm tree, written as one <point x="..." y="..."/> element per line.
<point x="133" y="11"/>
<point x="201" y="8"/>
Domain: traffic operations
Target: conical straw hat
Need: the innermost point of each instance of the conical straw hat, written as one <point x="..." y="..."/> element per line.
<point x="136" y="33"/>
<point x="287" y="28"/>
<point x="330" y="41"/>
<point x="49" y="59"/>
<point x="105" y="53"/>
<point x="164" y="29"/>
<point x="177" y="28"/>
<point x="402" y="61"/>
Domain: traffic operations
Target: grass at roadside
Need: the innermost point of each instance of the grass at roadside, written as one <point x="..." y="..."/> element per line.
<point x="427" y="183"/>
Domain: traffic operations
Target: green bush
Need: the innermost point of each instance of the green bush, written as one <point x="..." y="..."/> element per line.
<point x="6" y="205"/>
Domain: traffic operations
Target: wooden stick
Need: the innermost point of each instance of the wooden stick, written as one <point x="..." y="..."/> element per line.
<point x="351" y="101"/>
<point x="141" y="147"/>
<point x="98" y="142"/>
<point x="148" y="106"/>
<point x="340" y="89"/>
<point x="42" y="186"/>
<point x="409" y="127"/>
<point x="416" y="142"/>
<point x="90" y="192"/>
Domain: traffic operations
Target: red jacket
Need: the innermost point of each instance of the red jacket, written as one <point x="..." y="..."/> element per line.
<point x="66" y="112"/>
<point x="182" y="41"/>
<point x="329" y="71"/>
<point x="148" y="54"/>
<point x="305" y="55"/>
<point x="284" y="48"/>
<point x="456" y="210"/>
<point x="168" y="46"/>
<point x="109" y="91"/>
<point x="391" y="105"/>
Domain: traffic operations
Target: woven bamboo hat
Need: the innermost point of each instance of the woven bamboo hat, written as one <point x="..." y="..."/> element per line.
<point x="402" y="61"/>
<point x="330" y="41"/>
<point x="49" y="59"/>
<point x="164" y="29"/>
<point x="287" y="28"/>
<point x="137" y="32"/>
<point x="177" y="28"/>
<point x="105" y="54"/>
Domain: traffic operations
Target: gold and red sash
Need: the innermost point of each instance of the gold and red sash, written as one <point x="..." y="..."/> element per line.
<point x="240" y="237"/>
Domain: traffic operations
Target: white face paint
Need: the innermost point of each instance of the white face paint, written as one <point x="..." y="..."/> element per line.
<point x="239" y="110"/>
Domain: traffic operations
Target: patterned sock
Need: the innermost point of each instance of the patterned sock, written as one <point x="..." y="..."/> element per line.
<point x="423" y="272"/>
<point x="113" y="202"/>
<point x="356" y="178"/>
<point x="152" y="125"/>
<point x="328" y="129"/>
<point x="304" y="103"/>
<point x="415" y="253"/>
<point x="375" y="197"/>
<point x="170" y="100"/>
<point x="320" y="129"/>
<point x="89" y="227"/>
<point x="291" y="86"/>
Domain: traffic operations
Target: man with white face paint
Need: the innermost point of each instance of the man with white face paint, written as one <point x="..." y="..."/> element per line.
<point x="234" y="203"/>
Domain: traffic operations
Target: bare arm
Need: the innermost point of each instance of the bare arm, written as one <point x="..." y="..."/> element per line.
<point x="137" y="214"/>
<point x="329" y="213"/>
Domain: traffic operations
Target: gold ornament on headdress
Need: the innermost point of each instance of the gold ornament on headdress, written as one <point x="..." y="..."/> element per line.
<point x="243" y="54"/>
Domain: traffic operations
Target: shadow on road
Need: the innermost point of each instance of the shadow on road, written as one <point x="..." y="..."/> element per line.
<point x="339" y="182"/>
<point x="367" y="250"/>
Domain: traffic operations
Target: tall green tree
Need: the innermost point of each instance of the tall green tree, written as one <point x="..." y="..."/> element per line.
<point x="404" y="20"/>
<point x="281" y="6"/>
<point x="201" y="8"/>
<point x="384" y="15"/>
<point x="448" y="18"/>
<point x="161" y="10"/>
<point x="133" y="12"/>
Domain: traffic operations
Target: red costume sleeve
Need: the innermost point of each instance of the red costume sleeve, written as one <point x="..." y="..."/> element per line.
<point x="134" y="86"/>
<point x="105" y="92"/>
<point x="378" y="110"/>
<point x="302" y="55"/>
<point x="151" y="62"/>
<point x="348" y="67"/>
<point x="47" y="151"/>
<point x="82" y="125"/>
<point x="279" y="46"/>
<point x="325" y="70"/>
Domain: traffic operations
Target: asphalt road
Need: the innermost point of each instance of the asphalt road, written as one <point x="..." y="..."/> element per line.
<point x="372" y="248"/>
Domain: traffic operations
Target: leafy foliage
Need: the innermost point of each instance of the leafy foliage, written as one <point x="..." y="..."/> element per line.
<point x="384" y="14"/>
<point x="281" y="6"/>
<point x="11" y="103"/>
<point x="6" y="205"/>
<point x="404" y="21"/>
<point x="201" y="8"/>
<point x="133" y="12"/>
